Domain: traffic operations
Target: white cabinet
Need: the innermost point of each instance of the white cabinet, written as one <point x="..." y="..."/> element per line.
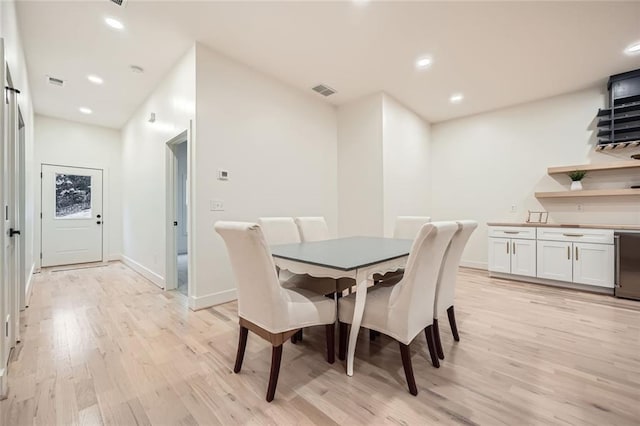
<point x="593" y="264"/>
<point x="555" y="261"/>
<point x="574" y="262"/>
<point x="512" y="256"/>
<point x="572" y="255"/>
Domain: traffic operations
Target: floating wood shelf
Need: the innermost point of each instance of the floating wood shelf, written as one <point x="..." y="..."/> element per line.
<point x="589" y="193"/>
<point x="620" y="165"/>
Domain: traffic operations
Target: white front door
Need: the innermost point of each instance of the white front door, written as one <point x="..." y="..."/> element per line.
<point x="71" y="215"/>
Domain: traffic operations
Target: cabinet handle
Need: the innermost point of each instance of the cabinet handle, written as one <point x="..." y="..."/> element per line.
<point x="568" y="252"/>
<point x="514" y="247"/>
<point x="577" y="253"/>
<point x="573" y="235"/>
<point x="507" y="247"/>
<point x="511" y="232"/>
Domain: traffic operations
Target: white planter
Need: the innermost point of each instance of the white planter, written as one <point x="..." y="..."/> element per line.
<point x="576" y="185"/>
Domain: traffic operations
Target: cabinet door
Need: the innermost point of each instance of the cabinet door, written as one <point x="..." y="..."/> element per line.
<point x="523" y="257"/>
<point x="500" y="255"/>
<point x="555" y="260"/>
<point x="593" y="264"/>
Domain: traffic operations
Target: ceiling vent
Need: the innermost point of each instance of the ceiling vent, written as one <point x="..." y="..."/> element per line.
<point x="55" y="81"/>
<point x="324" y="90"/>
<point x="121" y="3"/>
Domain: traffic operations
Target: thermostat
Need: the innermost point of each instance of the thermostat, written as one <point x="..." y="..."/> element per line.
<point x="223" y="174"/>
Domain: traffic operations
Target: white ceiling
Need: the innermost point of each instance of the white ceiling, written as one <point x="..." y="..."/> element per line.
<point x="497" y="54"/>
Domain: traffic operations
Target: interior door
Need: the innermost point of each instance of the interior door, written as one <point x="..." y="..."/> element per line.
<point x="5" y="241"/>
<point x="71" y="215"/>
<point x="593" y="264"/>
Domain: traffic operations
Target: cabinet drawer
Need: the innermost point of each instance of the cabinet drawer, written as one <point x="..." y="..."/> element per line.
<point x="520" y="232"/>
<point x="579" y="235"/>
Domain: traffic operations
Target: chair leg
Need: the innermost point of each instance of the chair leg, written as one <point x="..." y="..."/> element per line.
<point x="452" y="321"/>
<point x="342" y="340"/>
<point x="372" y="335"/>
<point x="436" y="338"/>
<point x="331" y="339"/>
<point x="428" y="332"/>
<point x="242" y="344"/>
<point x="299" y="335"/>
<point x="405" y="352"/>
<point x="276" y="357"/>
<point x="294" y="338"/>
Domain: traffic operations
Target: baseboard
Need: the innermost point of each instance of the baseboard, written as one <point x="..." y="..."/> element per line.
<point x="29" y="285"/>
<point x="114" y="257"/>
<point x="202" y="302"/>
<point x="474" y="265"/>
<point x="143" y="270"/>
<point x="553" y="283"/>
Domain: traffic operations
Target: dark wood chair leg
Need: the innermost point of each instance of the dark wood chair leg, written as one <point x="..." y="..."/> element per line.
<point x="294" y="338"/>
<point x="331" y="339"/>
<point x="372" y="335"/>
<point x="436" y="338"/>
<point x="452" y="321"/>
<point x="405" y="352"/>
<point x="276" y="357"/>
<point x="428" y="332"/>
<point x="342" y="340"/>
<point x="299" y="335"/>
<point x="242" y="344"/>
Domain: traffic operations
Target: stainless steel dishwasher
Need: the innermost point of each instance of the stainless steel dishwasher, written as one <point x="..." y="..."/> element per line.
<point x="627" y="265"/>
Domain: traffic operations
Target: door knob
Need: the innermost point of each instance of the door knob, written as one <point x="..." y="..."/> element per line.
<point x="98" y="222"/>
<point x="13" y="232"/>
<point x="98" y="216"/>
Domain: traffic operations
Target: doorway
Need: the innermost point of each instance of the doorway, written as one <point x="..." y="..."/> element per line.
<point x="178" y="214"/>
<point x="71" y="215"/>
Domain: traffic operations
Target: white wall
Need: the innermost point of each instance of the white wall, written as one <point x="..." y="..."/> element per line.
<point x="406" y="163"/>
<point x="144" y="155"/>
<point x="280" y="147"/>
<point x="360" y="179"/>
<point x="484" y="164"/>
<point x="66" y="143"/>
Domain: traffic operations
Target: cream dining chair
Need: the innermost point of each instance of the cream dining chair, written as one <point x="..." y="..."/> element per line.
<point x="316" y="229"/>
<point x="284" y="230"/>
<point x="265" y="307"/>
<point x="405" y="310"/>
<point x="445" y="290"/>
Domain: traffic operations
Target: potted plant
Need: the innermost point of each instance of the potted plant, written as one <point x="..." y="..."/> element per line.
<point x="576" y="177"/>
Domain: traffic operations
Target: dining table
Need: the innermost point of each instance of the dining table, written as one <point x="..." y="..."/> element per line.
<point x="359" y="258"/>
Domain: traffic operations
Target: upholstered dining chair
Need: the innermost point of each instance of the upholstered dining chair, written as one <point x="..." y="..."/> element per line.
<point x="265" y="307"/>
<point x="283" y="230"/>
<point x="316" y="229"/>
<point x="405" y="310"/>
<point x="445" y="290"/>
<point x="407" y="228"/>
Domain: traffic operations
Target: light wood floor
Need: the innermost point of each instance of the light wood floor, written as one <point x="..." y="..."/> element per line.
<point x="103" y="346"/>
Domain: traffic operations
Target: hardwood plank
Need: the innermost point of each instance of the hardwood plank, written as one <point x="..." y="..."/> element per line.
<point x="105" y="347"/>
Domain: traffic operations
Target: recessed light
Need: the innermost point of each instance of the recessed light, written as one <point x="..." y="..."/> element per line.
<point x="633" y="49"/>
<point x="423" y="62"/>
<point x="95" y="79"/>
<point x="85" y="110"/>
<point x="456" y="98"/>
<point x="114" y="23"/>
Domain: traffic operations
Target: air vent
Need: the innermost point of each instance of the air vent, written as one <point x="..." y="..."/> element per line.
<point x="122" y="3"/>
<point x="324" y="90"/>
<point x="55" y="81"/>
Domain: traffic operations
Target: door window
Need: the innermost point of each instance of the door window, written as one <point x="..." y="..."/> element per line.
<point x="73" y="196"/>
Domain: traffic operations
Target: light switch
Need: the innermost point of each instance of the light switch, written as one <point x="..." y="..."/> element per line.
<point x="223" y="174"/>
<point x="217" y="206"/>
